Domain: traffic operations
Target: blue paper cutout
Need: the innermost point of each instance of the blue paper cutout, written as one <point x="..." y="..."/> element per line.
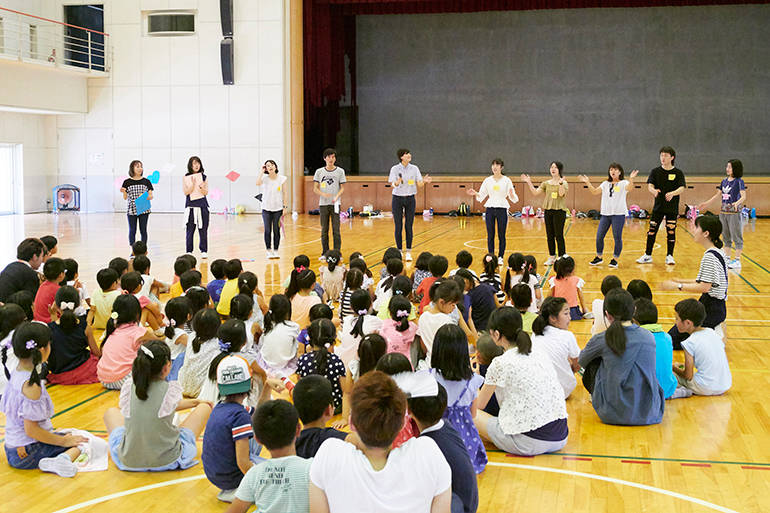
<point x="142" y="203"/>
<point x="154" y="177"/>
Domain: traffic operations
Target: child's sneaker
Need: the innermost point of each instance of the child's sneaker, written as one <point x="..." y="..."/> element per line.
<point x="227" y="495"/>
<point x="613" y="264"/>
<point x="407" y="257"/>
<point x="596" y="261"/>
<point x="61" y="465"/>
<point x="645" y="259"/>
<point x="670" y="260"/>
<point x="499" y="261"/>
<point x="588" y="315"/>
<point x="204" y="255"/>
<point x="735" y="264"/>
<point x="550" y="261"/>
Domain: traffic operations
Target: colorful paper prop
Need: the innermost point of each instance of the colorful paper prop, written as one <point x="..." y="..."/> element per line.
<point x="216" y="194"/>
<point x="232" y="176"/>
<point x="154" y="177"/>
<point x="142" y="203"/>
<point x="119" y="181"/>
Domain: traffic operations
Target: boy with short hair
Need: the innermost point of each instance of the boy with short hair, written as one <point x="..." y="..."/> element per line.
<point x="54" y="272"/>
<point x="280" y="483"/>
<point x="181" y="266"/>
<point x="703" y="350"/>
<point x="328" y="183"/>
<point x="483" y="300"/>
<point x="102" y="299"/>
<point x="229" y="447"/>
<point x="666" y="182"/>
<point x="597" y="307"/>
<point x="151" y="287"/>
<point x="138" y="248"/>
<point x="464" y="260"/>
<point x="191" y="278"/>
<point x="646" y="316"/>
<point x="521" y="297"/>
<point x="214" y="287"/>
<point x="233" y="269"/>
<point x="486" y="351"/>
<point x="120" y="265"/>
<point x="427" y="413"/>
<point x="437" y="265"/>
<point x="131" y="283"/>
<point x="313" y="400"/>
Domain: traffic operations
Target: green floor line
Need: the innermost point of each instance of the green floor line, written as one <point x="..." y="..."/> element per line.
<point x="81" y="403"/>
<point x="641" y="458"/>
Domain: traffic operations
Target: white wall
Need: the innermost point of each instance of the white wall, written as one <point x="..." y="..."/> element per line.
<point x="165" y="102"/>
<point x="37" y="135"/>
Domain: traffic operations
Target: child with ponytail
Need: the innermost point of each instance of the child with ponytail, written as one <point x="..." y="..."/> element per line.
<point x="204" y="348"/>
<point x="402" y="286"/>
<point x="30" y="439"/>
<point x="122" y="337"/>
<point x="179" y="313"/>
<point x="332" y="274"/>
<point x="565" y="284"/>
<point x="551" y="334"/>
<point x="399" y="331"/>
<point x="248" y="285"/>
<point x="301" y="294"/>
<point x="620" y="367"/>
<point x="354" y="280"/>
<point x="241" y="308"/>
<point x="533" y="413"/>
<point x="370" y="350"/>
<point x="278" y="345"/>
<point x="11" y="315"/>
<point x="491" y="276"/>
<point x="142" y="435"/>
<point x="384" y="291"/>
<point x="521" y="271"/>
<point x="355" y="326"/>
<point x="74" y="352"/>
<point x="321" y="359"/>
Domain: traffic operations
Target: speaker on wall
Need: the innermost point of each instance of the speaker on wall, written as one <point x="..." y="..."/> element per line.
<point x="226" y="15"/>
<point x="226" y="52"/>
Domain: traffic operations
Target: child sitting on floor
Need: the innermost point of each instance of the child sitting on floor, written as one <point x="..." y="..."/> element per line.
<point x="314" y="402"/>
<point x="74" y="352"/>
<point x="565" y="284"/>
<point x="102" y="300"/>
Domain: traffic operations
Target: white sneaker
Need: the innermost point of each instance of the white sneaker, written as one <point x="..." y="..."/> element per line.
<point x="645" y="259"/>
<point x="735" y="264"/>
<point x="204" y="255"/>
<point x="407" y="257"/>
<point x="60" y="465"/>
<point x="275" y="254"/>
<point x="550" y="261"/>
<point x="499" y="261"/>
<point x="670" y="260"/>
<point x="227" y="495"/>
<point x="269" y="253"/>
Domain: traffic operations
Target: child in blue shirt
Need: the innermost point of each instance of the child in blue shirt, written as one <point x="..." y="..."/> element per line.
<point x="214" y="287"/>
<point x="646" y="316"/>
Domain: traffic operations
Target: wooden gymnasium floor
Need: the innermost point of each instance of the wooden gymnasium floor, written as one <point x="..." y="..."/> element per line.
<point x="707" y="454"/>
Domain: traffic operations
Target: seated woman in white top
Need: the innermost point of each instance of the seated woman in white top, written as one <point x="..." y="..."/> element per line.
<point x="533" y="413"/>
<point x="551" y="334"/>
<point x="415" y="477"/>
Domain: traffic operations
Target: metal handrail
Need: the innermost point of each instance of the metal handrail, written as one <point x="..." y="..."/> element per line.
<point x="50" y="45"/>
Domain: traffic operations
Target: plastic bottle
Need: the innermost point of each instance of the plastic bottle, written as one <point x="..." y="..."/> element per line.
<point x="350" y="212"/>
<point x="573" y="213"/>
<point x="289" y="384"/>
<point x="294" y="215"/>
<point x="431" y="211"/>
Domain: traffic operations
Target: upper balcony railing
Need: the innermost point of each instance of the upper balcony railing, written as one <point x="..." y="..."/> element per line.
<point x="37" y="40"/>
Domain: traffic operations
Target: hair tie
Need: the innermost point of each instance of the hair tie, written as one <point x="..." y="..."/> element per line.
<point x="363" y="312"/>
<point x="172" y="322"/>
<point x="523" y="266"/>
<point x="7" y="344"/>
<point x="224" y="346"/>
<point x="146" y="351"/>
<point x="402" y="313"/>
<point x="270" y="312"/>
<point x="39" y="368"/>
<point x="487" y="259"/>
<point x="397" y="292"/>
<point x="327" y="345"/>
<point x="114" y="315"/>
<point x="300" y="268"/>
<point x="31" y="344"/>
<point x="67" y="306"/>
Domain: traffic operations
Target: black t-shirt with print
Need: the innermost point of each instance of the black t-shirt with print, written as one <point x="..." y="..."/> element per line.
<point x="134" y="189"/>
<point x="666" y="181"/>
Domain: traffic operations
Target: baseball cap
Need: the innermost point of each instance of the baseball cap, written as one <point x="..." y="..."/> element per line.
<point x="233" y="375"/>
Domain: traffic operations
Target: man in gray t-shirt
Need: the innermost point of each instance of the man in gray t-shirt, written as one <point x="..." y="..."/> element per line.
<point x="327" y="183"/>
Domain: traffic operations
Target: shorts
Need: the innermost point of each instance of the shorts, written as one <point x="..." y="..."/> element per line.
<point x="185" y="460"/>
<point x="35" y="452"/>
<point x="520" y="444"/>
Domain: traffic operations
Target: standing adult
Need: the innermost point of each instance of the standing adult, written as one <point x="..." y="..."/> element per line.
<point x="328" y="184"/>
<point x="498" y="189"/>
<point x="665" y="183"/>
<point x="614" y="209"/>
<point x="405" y="177"/>
<point x="555" y="209"/>
<point x="196" y="207"/>
<point x="273" y="204"/>
<point x="22" y="274"/>
<point x="732" y="190"/>
<point x="133" y="187"/>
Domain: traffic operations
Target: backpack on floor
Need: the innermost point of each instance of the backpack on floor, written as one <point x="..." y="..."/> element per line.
<point x="463" y="210"/>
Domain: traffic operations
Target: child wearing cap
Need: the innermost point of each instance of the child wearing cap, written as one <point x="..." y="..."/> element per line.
<point x="229" y="447"/>
<point x="280" y="483"/>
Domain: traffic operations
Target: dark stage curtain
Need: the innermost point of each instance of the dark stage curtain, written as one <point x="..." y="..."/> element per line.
<point x="330" y="35"/>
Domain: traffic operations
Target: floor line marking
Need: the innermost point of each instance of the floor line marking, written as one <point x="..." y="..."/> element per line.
<point x="376" y="251"/>
<point x="81" y="403"/>
<point x="613" y="480"/>
<point x="674" y="460"/>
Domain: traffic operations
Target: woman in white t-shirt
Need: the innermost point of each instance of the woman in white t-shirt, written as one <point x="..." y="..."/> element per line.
<point x="614" y="209"/>
<point x="498" y="189"/>
<point x="273" y="201"/>
<point x="551" y="334"/>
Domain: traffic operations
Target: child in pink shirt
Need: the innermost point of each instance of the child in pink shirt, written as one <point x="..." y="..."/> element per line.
<point x="399" y="331"/>
<point x="568" y="286"/>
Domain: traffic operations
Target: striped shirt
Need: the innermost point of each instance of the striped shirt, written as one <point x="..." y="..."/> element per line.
<point x="496" y="284"/>
<point x="228" y="423"/>
<point x="713" y="270"/>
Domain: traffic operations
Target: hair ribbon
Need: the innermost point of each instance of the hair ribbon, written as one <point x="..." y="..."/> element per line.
<point x="146" y="351"/>
<point x="363" y="312"/>
<point x="300" y="268"/>
<point x="31" y="344"/>
<point x="224" y="346"/>
<point x="67" y="306"/>
<point x="402" y="313"/>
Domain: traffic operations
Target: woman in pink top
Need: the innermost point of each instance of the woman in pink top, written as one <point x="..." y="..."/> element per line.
<point x="570" y="287"/>
<point x="399" y="331"/>
<point x="122" y="339"/>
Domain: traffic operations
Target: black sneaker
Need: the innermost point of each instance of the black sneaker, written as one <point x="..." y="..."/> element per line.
<point x="596" y="261"/>
<point x="613" y="264"/>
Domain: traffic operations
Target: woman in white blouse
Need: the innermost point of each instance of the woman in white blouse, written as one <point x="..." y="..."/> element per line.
<point x="498" y="189"/>
<point x="614" y="210"/>
<point x="533" y="413"/>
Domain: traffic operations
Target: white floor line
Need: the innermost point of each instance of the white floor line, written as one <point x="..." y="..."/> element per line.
<point x="617" y="481"/>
